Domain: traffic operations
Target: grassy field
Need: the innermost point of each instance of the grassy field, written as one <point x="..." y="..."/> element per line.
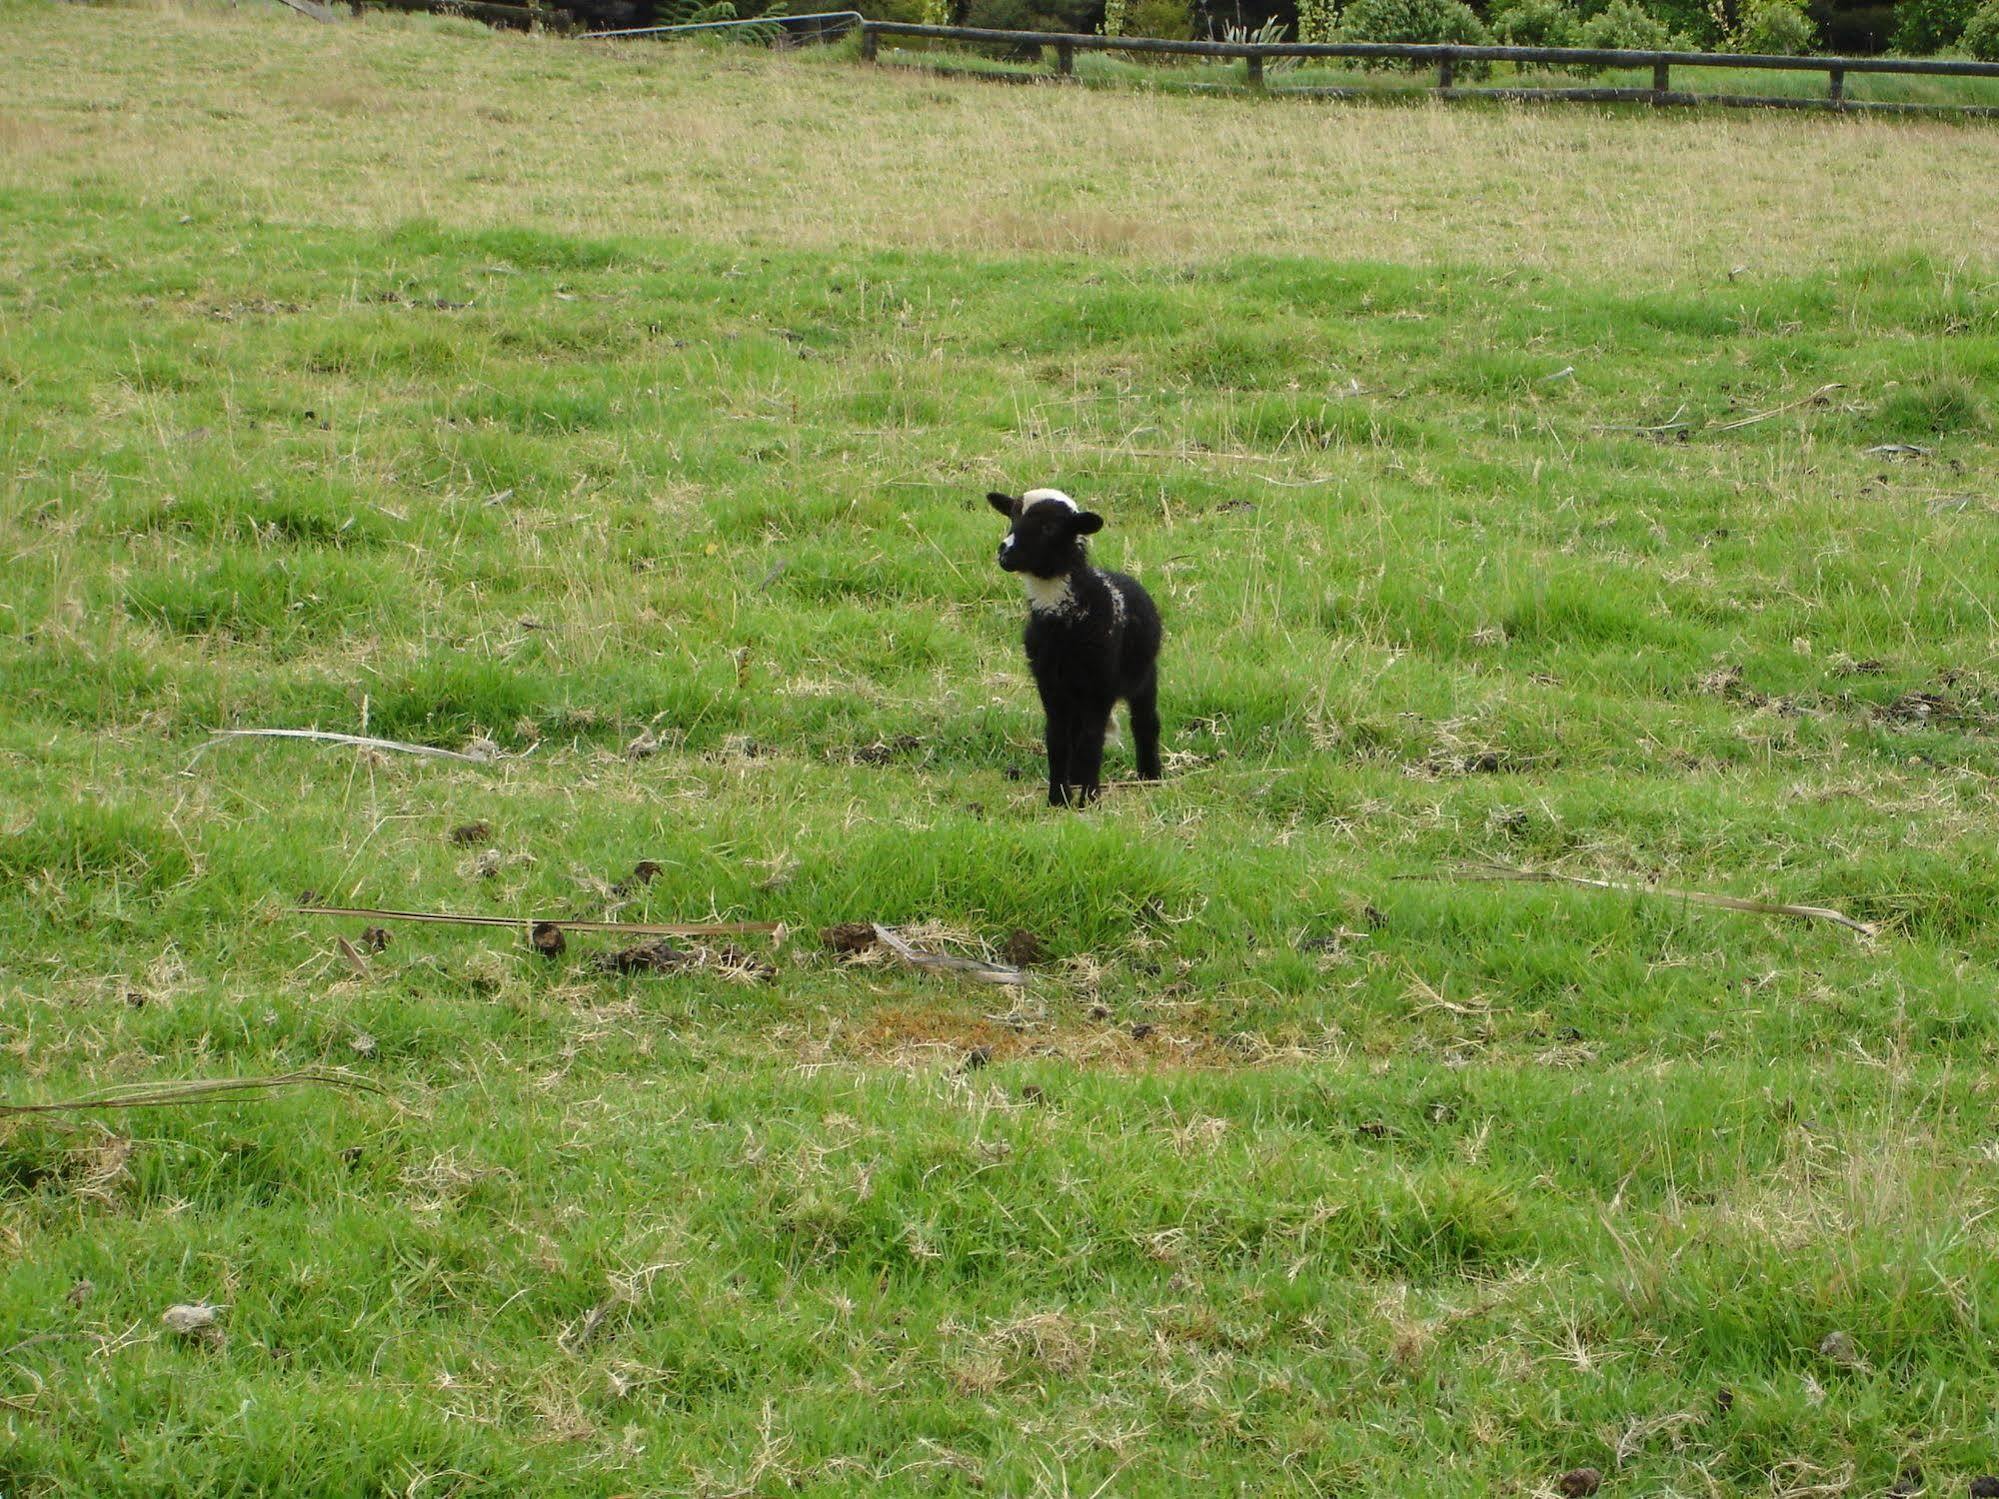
<point x="1513" y="484"/>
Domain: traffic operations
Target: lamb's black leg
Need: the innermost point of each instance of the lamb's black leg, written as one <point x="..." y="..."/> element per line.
<point x="1058" y="736"/>
<point x="1145" y="728"/>
<point x="1086" y="752"/>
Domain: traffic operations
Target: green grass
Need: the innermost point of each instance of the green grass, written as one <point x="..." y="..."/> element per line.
<point x="1300" y="1165"/>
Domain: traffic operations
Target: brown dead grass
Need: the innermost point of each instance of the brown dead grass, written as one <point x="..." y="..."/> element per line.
<point x="20" y="138"/>
<point x="943" y="1035"/>
<point x="481" y="129"/>
<point x="343" y="99"/>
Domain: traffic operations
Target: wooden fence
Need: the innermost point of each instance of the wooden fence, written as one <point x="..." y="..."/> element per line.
<point x="1449" y="60"/>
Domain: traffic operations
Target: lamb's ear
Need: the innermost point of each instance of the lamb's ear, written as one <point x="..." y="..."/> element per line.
<point x="1003" y="503"/>
<point x="1088" y="523"/>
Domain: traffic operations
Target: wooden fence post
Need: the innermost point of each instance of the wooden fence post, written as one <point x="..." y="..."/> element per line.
<point x="869" y="42"/>
<point x="1661" y="81"/>
<point x="1065" y="59"/>
<point x="1836" y="87"/>
<point x="1255" y="61"/>
<point x="1446" y="73"/>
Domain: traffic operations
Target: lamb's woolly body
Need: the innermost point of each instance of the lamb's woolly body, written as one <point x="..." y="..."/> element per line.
<point x="1092" y="637"/>
<point x="1049" y="595"/>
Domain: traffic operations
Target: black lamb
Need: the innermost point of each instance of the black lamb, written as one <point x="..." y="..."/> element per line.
<point x="1092" y="638"/>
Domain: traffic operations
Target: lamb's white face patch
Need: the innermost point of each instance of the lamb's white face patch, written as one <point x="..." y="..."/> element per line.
<point x="1048" y="595"/>
<point x="1035" y="497"/>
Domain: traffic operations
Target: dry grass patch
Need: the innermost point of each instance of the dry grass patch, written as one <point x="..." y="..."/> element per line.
<point x="953" y="1035"/>
<point x="811" y="151"/>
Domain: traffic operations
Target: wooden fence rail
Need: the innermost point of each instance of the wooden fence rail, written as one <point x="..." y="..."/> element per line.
<point x="815" y="26"/>
<point x="1449" y="59"/>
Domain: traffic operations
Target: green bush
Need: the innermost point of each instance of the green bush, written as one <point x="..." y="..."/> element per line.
<point x="1623" y="25"/>
<point x="1432" y="22"/>
<point x="1689" y="23"/>
<point x="1537" y="23"/>
<point x="1167" y="18"/>
<point x="1776" y="26"/>
<point x="1925" y="26"/>
<point x="1318" y="20"/>
<point x="1981" y="33"/>
<point x="1023" y="15"/>
<point x="997" y="15"/>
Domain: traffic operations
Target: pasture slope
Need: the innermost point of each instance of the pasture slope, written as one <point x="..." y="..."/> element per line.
<point x="453" y="385"/>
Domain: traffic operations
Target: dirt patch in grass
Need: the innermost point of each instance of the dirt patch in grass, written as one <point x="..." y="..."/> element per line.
<point x="908" y="1032"/>
<point x="931" y="1035"/>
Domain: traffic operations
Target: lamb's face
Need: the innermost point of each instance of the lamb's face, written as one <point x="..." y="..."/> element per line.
<point x="1048" y="527"/>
